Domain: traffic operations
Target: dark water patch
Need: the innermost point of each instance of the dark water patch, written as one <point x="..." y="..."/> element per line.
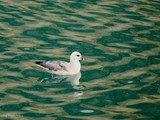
<point x="147" y="10"/>
<point x="31" y="73"/>
<point x="135" y="63"/>
<point x="88" y="1"/>
<point x="7" y="43"/>
<point x="2" y="95"/>
<point x="3" y="8"/>
<point x="82" y="30"/>
<point x="149" y="36"/>
<point x="111" y="58"/>
<point x="48" y="30"/>
<point x="9" y="8"/>
<point x="99" y="27"/>
<point x="96" y="88"/>
<point x="71" y="20"/>
<point x="137" y="28"/>
<point x="121" y="47"/>
<point x="140" y="47"/>
<point x="155" y="4"/>
<point x="95" y="74"/>
<point x="67" y="25"/>
<point x="117" y="8"/>
<point x="138" y="80"/>
<point x="115" y="37"/>
<point x="155" y="32"/>
<point x="8" y="119"/>
<point x="141" y="27"/>
<point x="14" y="78"/>
<point x="76" y="109"/>
<point x="98" y="101"/>
<point x="42" y="31"/>
<point x="84" y="47"/>
<point x="153" y="89"/>
<point x="14" y="107"/>
<point x="124" y="5"/>
<point x="10" y="68"/>
<point x="11" y="21"/>
<point x="120" y="21"/>
<point x="91" y="19"/>
<point x="25" y="57"/>
<point x="121" y="68"/>
<point x="123" y="9"/>
<point x="16" y="15"/>
<point x="27" y="49"/>
<point x="81" y="46"/>
<point x="28" y="13"/>
<point x="157" y="23"/>
<point x="51" y="44"/>
<point x="10" y="54"/>
<point x="137" y="17"/>
<point x="120" y="117"/>
<point x="50" y="5"/>
<point x="157" y="72"/>
<point x="89" y="63"/>
<point x="102" y="14"/>
<point x="66" y="118"/>
<point x="33" y="88"/>
<point x="119" y="95"/>
<point x="151" y="110"/>
<point x="62" y="13"/>
<point x="75" y="5"/>
<point x="109" y="24"/>
<point x="35" y="98"/>
<point x="135" y="1"/>
<point x="64" y="91"/>
<point x="154" y="59"/>
<point x="35" y="8"/>
<point x="34" y="115"/>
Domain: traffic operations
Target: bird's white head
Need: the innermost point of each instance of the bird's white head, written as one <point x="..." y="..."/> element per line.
<point x="76" y="56"/>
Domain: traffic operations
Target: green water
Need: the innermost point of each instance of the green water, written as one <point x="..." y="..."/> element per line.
<point x="120" y="77"/>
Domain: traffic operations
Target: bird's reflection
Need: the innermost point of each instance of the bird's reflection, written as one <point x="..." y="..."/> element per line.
<point x="73" y="79"/>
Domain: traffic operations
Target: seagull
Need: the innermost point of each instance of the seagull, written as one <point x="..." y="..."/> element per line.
<point x="62" y="67"/>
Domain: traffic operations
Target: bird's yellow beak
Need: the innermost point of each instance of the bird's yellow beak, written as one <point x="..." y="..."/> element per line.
<point x="82" y="58"/>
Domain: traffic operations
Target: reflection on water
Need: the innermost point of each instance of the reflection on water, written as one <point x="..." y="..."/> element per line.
<point x="74" y="80"/>
<point x="120" y="74"/>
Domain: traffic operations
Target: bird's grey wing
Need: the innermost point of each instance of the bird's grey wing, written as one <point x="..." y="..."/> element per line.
<point x="54" y="65"/>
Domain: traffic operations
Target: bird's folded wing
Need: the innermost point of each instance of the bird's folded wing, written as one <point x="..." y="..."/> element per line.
<point x="54" y="65"/>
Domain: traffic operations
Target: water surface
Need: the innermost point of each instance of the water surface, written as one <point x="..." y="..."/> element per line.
<point x="119" y="39"/>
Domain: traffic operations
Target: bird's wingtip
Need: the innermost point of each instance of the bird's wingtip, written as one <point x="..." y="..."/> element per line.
<point x="38" y="62"/>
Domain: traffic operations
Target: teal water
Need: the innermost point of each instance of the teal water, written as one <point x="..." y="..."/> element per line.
<point x="120" y="77"/>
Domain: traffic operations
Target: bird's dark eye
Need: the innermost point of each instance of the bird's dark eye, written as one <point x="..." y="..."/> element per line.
<point x="78" y="55"/>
